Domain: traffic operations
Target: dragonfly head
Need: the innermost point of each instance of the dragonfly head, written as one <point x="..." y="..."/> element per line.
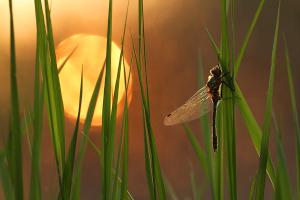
<point x="216" y="71"/>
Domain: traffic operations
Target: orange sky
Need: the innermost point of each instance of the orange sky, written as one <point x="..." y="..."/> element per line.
<point x="175" y="36"/>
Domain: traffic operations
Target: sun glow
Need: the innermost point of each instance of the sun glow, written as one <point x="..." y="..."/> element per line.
<point x="89" y="54"/>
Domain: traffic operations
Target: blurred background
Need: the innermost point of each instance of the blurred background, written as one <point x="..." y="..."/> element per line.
<point x="175" y="39"/>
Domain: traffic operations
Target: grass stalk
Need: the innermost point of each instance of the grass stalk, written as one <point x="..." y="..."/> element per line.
<point x="295" y="114"/>
<point x="15" y="143"/>
<point x="264" y="150"/>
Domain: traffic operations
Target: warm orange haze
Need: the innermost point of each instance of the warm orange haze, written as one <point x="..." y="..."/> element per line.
<point x="89" y="55"/>
<point x="178" y="52"/>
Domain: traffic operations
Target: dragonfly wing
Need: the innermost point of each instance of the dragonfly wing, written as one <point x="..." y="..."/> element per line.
<point x="198" y="105"/>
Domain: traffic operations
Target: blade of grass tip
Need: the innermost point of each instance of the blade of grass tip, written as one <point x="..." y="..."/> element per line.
<point x="233" y="10"/>
<point x="52" y="98"/>
<point x="17" y="165"/>
<point x="7" y="187"/>
<point x="86" y="127"/>
<point x="207" y="138"/>
<point x="227" y="111"/>
<point x="106" y="108"/>
<point x="123" y="145"/>
<point x="67" y="58"/>
<point x="148" y="167"/>
<point x="58" y="102"/>
<point x="69" y="167"/>
<point x="213" y="43"/>
<point x="114" y="110"/>
<point x="197" y="148"/>
<point x="43" y="59"/>
<point x="247" y="37"/>
<point x="282" y="172"/>
<point x="260" y="184"/>
<point x="295" y="113"/>
<point x="142" y="42"/>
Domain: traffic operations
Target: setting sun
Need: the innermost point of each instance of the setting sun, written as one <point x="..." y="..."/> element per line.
<point x="90" y="54"/>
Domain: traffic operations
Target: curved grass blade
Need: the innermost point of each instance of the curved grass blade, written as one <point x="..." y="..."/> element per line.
<point x="295" y="114"/>
<point x="66" y="60"/>
<point x="15" y="143"/>
<point x="213" y="43"/>
<point x="247" y="37"/>
<point x="7" y="187"/>
<point x="35" y="184"/>
<point x="155" y="182"/>
<point x="75" y="193"/>
<point x="283" y="183"/>
<point x="254" y="130"/>
<point x="264" y="150"/>
<point x="55" y="92"/>
<point x="69" y="167"/>
<point x="228" y="106"/>
<point x="211" y="162"/>
<point x="52" y="88"/>
<point x="115" y="186"/>
<point x="106" y="114"/>
<point x="198" y="150"/>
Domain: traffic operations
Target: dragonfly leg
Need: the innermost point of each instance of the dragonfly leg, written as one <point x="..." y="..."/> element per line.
<point x="230" y="86"/>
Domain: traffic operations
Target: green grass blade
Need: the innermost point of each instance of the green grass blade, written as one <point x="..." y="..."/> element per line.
<point x="253" y="128"/>
<point x="124" y="185"/>
<point x="218" y="162"/>
<point x="69" y="167"/>
<point x="7" y="187"/>
<point x="66" y="59"/>
<point x="198" y="150"/>
<point x="213" y="43"/>
<point x="152" y="165"/>
<point x="115" y="186"/>
<point x="171" y="192"/>
<point x="207" y="140"/>
<point x="16" y="137"/>
<point x="55" y="93"/>
<point x="156" y="186"/>
<point x="252" y="188"/>
<point x="195" y="187"/>
<point x="75" y="193"/>
<point x="295" y="114"/>
<point x="52" y="88"/>
<point x="282" y="172"/>
<point x="227" y="111"/>
<point x="247" y="37"/>
<point x="35" y="185"/>
<point x="260" y="181"/>
<point x="107" y="143"/>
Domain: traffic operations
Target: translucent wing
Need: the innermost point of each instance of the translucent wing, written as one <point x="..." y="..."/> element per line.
<point x="199" y="104"/>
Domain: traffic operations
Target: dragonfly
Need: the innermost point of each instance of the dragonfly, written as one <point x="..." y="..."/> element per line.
<point x="203" y="101"/>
